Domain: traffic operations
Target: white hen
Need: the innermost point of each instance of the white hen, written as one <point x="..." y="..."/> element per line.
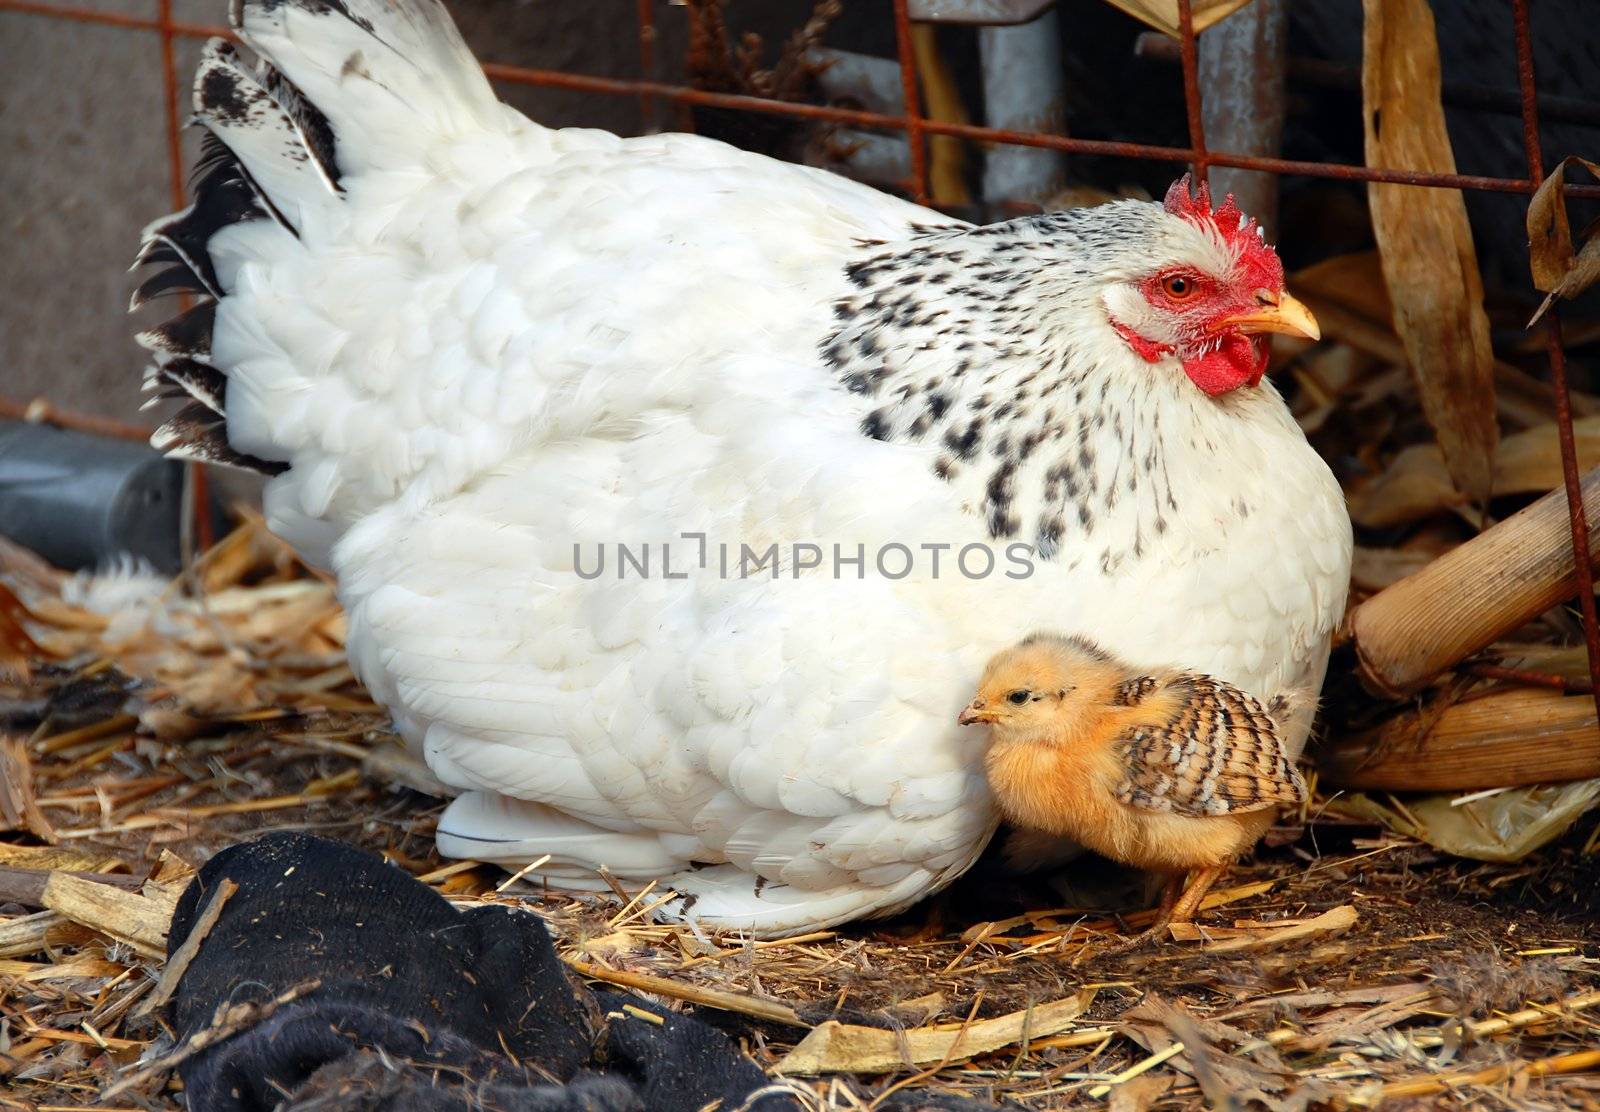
<point x="476" y="353"/>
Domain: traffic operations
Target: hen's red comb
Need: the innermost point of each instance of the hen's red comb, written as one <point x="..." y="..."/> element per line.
<point x="1230" y="223"/>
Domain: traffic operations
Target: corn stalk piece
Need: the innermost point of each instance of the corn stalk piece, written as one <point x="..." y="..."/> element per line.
<point x="1472" y="595"/>
<point x="1504" y="739"/>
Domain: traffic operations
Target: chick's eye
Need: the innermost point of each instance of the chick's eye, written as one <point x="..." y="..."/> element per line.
<point x="1179" y="287"/>
<point x="1018" y="697"/>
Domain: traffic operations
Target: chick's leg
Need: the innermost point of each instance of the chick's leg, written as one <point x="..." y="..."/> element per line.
<point x="1200" y="882"/>
<point x="1169" y="900"/>
<point x="1164" y="911"/>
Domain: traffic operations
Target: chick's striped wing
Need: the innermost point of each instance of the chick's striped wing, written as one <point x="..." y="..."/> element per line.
<point x="1218" y="753"/>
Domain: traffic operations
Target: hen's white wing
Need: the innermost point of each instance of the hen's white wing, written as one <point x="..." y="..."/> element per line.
<point x="777" y="725"/>
<point x="544" y="285"/>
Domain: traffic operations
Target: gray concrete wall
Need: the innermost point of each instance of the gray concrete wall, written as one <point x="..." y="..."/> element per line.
<point x="82" y="169"/>
<point x="83" y="163"/>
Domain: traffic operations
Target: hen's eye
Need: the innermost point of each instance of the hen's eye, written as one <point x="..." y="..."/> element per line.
<point x="1018" y="697"/>
<point x="1179" y="287"/>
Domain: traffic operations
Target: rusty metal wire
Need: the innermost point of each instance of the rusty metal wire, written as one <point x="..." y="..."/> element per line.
<point x="917" y="128"/>
<point x="646" y="16"/>
<point x="911" y="122"/>
<point x="1581" y="555"/>
<point x="1189" y="54"/>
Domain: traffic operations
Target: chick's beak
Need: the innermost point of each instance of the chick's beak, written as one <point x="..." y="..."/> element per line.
<point x="975" y="712"/>
<point x="1276" y="313"/>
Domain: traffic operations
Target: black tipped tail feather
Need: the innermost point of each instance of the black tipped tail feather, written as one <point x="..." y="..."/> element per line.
<point x="231" y="103"/>
<point x="390" y="72"/>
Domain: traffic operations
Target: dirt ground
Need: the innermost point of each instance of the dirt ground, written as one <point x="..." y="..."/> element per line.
<point x="1371" y="1015"/>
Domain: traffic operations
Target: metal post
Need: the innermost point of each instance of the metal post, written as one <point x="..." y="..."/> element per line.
<point x="1243" y="61"/>
<point x="1023" y="90"/>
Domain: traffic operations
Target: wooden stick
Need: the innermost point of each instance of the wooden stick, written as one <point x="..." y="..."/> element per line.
<point x="1135" y="1070"/>
<point x="26" y="886"/>
<point x="82" y="734"/>
<point x="1410" y="632"/>
<point x="1527" y="1017"/>
<point x="760" y="1007"/>
<point x="1521" y="736"/>
<point x="233" y="1020"/>
<point x="834" y="1047"/>
<point x="19" y="806"/>
<point x="54" y="1035"/>
<point x="179" y="965"/>
<point x="1561" y="1063"/>
<point x="1335" y="920"/>
<point x="137" y="920"/>
<point x="1087" y="1036"/>
<point x="33" y="934"/>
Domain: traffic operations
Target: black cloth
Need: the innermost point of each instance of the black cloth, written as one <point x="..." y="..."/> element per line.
<point x="419" y="1007"/>
<point x="369" y="1081"/>
<point x="683" y="1063"/>
<point x="463" y="1009"/>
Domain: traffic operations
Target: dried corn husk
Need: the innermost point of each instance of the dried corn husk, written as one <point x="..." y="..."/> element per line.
<point x="1163" y="14"/>
<point x="1429" y="265"/>
<point x="1558" y="269"/>
<point x="1417" y="484"/>
<point x="17" y="648"/>
<point x="1503" y="827"/>
<point x="835" y="1047"/>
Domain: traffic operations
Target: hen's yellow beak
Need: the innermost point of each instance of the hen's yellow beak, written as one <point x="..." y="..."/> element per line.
<point x="1278" y="313"/>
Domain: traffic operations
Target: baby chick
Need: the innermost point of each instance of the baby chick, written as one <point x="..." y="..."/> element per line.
<point x="1175" y="772"/>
